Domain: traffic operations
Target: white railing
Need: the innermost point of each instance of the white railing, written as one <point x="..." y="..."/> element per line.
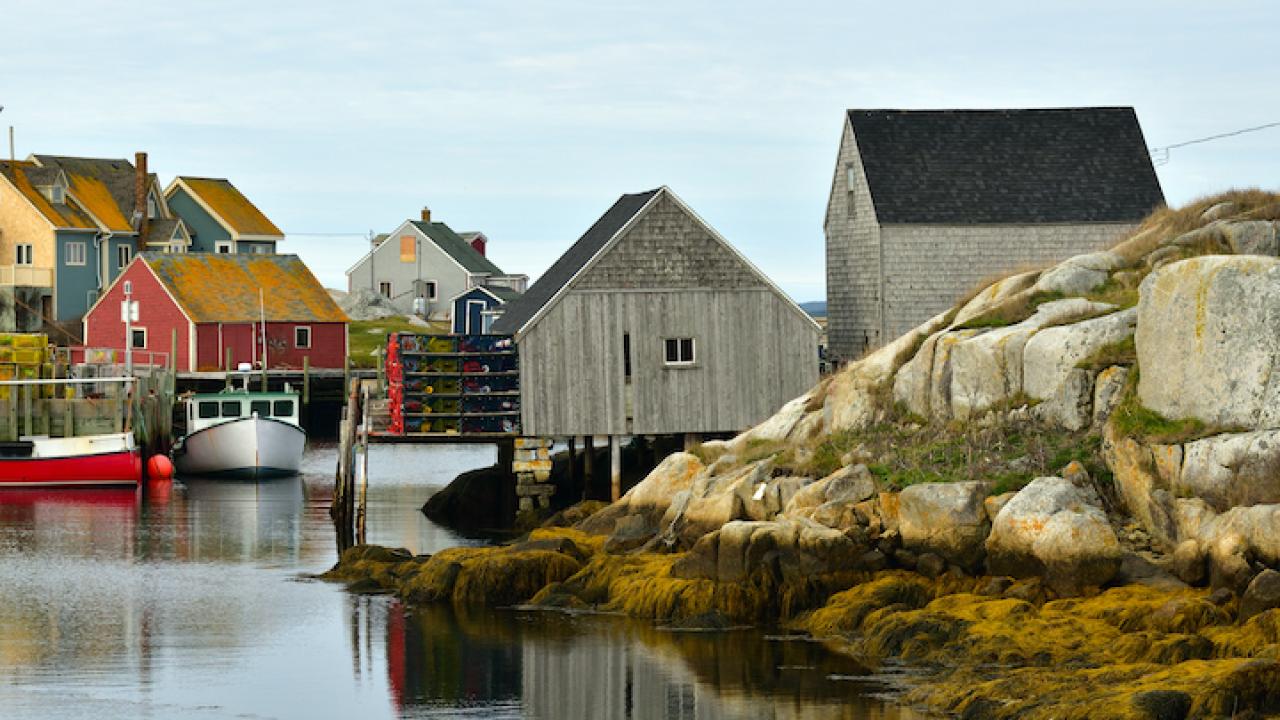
<point x="26" y="276"/>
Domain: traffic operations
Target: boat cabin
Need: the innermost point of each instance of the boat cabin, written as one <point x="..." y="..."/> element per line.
<point x="209" y="409"/>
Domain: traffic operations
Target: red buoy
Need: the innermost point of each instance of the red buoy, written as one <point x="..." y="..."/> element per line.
<point x="159" y="468"/>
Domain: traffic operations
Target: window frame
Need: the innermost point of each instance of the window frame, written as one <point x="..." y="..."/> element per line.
<point x="222" y="407"/>
<point x="297" y="329"/>
<point x="125" y="253"/>
<point x="57" y="194"/>
<point x="82" y="248"/>
<point x="201" y="405"/>
<point x="680" y="360"/>
<point x="254" y="408"/>
<point x="132" y="334"/>
<point x="18" y="254"/>
<point x="224" y="247"/>
<point x="275" y="409"/>
<point x="431" y="289"/>
<point x="384" y="289"/>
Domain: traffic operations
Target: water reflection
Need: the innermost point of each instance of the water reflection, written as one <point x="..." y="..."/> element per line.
<point x="185" y="602"/>
<point x="547" y="666"/>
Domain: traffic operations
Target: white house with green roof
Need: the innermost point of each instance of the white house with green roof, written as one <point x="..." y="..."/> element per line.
<point x="427" y="260"/>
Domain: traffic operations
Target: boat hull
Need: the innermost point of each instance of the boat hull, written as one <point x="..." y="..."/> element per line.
<point x="247" y="448"/>
<point x="90" y="461"/>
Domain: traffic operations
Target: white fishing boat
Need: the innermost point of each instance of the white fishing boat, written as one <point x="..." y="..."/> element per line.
<point x="241" y="434"/>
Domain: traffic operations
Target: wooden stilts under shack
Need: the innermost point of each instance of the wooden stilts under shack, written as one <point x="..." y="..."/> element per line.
<point x="615" y="466"/>
<point x="588" y="463"/>
<point x="573" y="465"/>
<point x="691" y="441"/>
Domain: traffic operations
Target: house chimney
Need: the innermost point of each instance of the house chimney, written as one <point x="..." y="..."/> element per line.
<point x="478" y="243"/>
<point x="141" y="180"/>
<point x="426" y="214"/>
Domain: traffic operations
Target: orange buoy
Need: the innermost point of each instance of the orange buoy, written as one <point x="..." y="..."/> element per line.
<point x="159" y="468"/>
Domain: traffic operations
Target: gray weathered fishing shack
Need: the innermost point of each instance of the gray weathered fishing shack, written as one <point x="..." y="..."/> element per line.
<point x="653" y="324"/>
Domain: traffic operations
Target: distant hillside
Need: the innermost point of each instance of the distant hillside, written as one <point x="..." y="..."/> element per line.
<point x="817" y="308"/>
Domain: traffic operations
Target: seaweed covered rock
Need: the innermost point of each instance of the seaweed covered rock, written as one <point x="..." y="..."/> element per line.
<point x="1056" y="530"/>
<point x="786" y="548"/>
<point x="947" y="519"/>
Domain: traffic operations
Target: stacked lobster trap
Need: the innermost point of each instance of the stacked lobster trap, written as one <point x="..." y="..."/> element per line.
<point x="453" y="384"/>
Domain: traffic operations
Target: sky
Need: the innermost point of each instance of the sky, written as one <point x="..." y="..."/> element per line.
<point x="526" y="120"/>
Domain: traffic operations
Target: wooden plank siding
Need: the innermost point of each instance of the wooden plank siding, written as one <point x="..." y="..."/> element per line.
<point x="755" y="350"/>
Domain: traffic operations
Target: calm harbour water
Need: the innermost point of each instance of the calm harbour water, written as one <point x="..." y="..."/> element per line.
<point x="192" y="604"/>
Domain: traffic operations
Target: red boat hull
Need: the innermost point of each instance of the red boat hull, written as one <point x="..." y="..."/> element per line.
<point x="112" y="468"/>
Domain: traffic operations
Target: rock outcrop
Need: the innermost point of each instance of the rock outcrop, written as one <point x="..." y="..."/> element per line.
<point x="946" y="519"/>
<point x="1208" y="341"/>
<point x="1057" y="530"/>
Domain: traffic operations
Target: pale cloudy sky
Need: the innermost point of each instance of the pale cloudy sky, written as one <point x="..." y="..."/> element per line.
<point x="527" y="119"/>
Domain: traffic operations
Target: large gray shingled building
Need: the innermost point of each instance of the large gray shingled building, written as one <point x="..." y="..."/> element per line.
<point x="926" y="204"/>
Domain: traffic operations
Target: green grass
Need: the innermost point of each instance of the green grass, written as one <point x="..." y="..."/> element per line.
<point x="367" y="336"/>
<point x="1008" y="455"/>
<point x="1123" y="352"/>
<point x="1011" y="311"/>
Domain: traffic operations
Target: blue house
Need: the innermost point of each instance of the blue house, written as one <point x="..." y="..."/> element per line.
<point x="220" y="218"/>
<point x="68" y="226"/>
<point x="474" y="311"/>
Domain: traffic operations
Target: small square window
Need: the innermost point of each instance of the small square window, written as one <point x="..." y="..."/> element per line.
<point x="224" y="248"/>
<point x="138" y="338"/>
<point x="302" y="337"/>
<point x="74" y="252"/>
<point x="283" y="408"/>
<point x="124" y="253"/>
<point x="57" y="194"/>
<point x="23" y="254"/>
<point x="384" y="289"/>
<point x="679" y="351"/>
<point x="231" y="409"/>
<point x="261" y="408"/>
<point x="207" y="410"/>
<point x="430" y="289"/>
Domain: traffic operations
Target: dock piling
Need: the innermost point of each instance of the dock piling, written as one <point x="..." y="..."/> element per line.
<point x="615" y="469"/>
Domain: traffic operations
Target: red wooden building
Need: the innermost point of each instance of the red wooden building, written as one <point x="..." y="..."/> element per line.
<point x="217" y="304"/>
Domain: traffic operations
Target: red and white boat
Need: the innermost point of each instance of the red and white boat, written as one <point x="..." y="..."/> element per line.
<point x="83" y="461"/>
<point x="90" y="460"/>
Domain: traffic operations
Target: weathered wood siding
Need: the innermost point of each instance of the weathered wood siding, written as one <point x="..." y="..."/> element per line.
<point x="853" y="258"/>
<point x="666" y="278"/>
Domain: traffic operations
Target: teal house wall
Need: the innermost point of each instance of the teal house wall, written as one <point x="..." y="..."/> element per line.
<point x="205" y="231"/>
<point x="74" y="282"/>
<point x="113" y="257"/>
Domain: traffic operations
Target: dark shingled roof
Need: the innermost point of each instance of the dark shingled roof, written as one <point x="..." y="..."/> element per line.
<point x="520" y="311"/>
<point x="971" y="167"/>
<point x="457" y="248"/>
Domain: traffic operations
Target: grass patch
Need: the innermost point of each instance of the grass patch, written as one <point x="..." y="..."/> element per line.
<point x="1007" y="454"/>
<point x="366" y="337"/>
<point x="1132" y="419"/>
<point x="1167" y="223"/>
<point x="1011" y="311"/>
<point x="1122" y="352"/>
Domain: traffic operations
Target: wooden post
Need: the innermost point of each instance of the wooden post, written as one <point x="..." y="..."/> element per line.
<point x="588" y="463"/>
<point x="226" y="368"/>
<point x="13" y="414"/>
<point x="615" y="468"/>
<point x="691" y="441"/>
<point x="68" y="416"/>
<point x="26" y="409"/>
<point x="173" y="350"/>
<point x="364" y="465"/>
<point x="573" y="464"/>
<point x="306" y="380"/>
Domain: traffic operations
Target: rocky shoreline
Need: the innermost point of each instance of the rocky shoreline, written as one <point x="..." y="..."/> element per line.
<point x="1061" y="497"/>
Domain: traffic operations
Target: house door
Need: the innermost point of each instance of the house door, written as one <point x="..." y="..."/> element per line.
<point x="473" y="324"/>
